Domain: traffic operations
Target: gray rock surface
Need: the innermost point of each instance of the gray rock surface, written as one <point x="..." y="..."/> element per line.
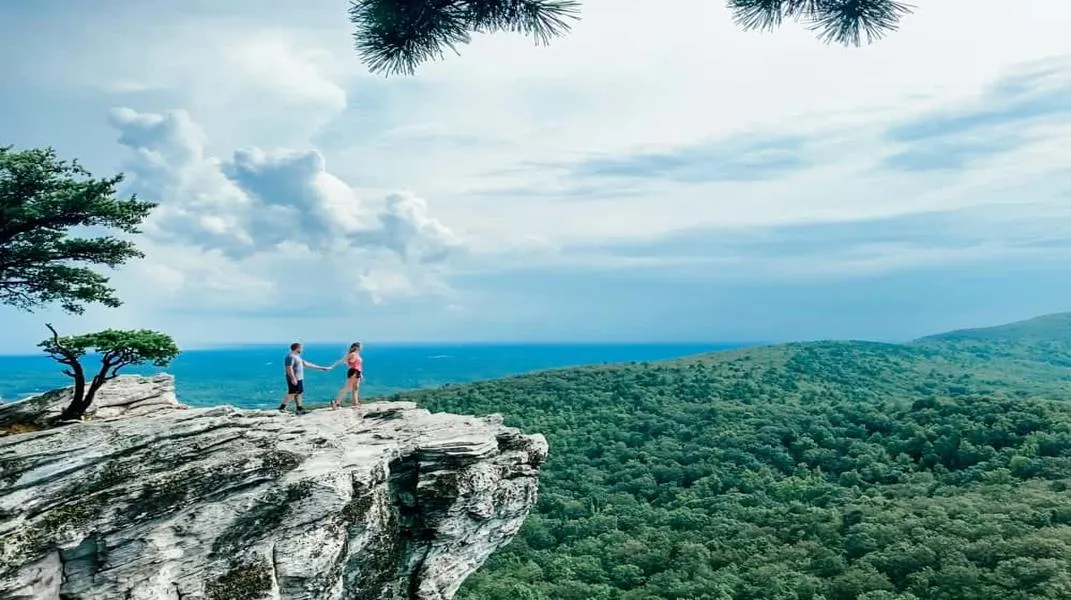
<point x="124" y="396"/>
<point x="147" y="501"/>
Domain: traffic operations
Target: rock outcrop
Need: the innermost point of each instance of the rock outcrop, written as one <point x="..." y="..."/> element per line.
<point x="150" y="502"/>
<point x="125" y="396"/>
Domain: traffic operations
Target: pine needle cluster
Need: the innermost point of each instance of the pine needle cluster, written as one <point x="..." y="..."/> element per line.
<point x="396" y="36"/>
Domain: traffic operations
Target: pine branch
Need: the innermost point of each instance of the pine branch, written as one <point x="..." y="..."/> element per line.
<point x="44" y="201"/>
<point x="846" y="22"/>
<point x="396" y="36"/>
<point x="542" y="20"/>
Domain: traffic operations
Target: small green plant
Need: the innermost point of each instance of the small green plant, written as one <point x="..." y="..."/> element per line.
<point x="117" y="349"/>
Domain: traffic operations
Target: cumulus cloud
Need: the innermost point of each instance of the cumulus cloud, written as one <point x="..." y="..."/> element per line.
<point x="247" y="215"/>
<point x="197" y="203"/>
<point x="407" y="228"/>
<point x="295" y="198"/>
<point x="259" y="198"/>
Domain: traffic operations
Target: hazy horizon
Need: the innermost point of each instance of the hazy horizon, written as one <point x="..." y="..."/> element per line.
<point x="320" y="345"/>
<point x="717" y="344"/>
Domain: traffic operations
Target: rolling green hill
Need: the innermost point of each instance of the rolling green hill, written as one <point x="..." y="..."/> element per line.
<point x="1046" y="328"/>
<point x="1045" y="340"/>
<point x="937" y="469"/>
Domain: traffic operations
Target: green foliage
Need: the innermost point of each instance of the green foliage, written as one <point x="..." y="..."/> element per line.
<point x="396" y="36"/>
<point x="43" y="202"/>
<point x="116" y="348"/>
<point x="844" y="22"/>
<point x="814" y="471"/>
<point x="1045" y="339"/>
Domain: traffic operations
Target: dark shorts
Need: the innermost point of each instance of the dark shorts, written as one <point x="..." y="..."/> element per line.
<point x="353" y="373"/>
<point x="295" y="388"/>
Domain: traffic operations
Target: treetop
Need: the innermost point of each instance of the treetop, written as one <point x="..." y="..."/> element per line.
<point x="44" y="202"/>
<point x="118" y="346"/>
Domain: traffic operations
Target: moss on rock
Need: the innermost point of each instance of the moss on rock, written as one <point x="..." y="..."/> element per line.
<point x="357" y="509"/>
<point x="169" y="493"/>
<point x="260" y="520"/>
<point x="48" y="530"/>
<point x="250" y="581"/>
<point x="279" y="462"/>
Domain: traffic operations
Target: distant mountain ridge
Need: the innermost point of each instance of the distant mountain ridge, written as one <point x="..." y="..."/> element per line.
<point x="1045" y="339"/>
<point x="1051" y="327"/>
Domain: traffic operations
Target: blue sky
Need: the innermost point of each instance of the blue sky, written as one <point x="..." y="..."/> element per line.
<point x="609" y="187"/>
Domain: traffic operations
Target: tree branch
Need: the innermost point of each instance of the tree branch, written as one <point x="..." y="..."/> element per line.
<point x="107" y="359"/>
<point x="60" y="354"/>
<point x="29" y="225"/>
<point x="115" y="370"/>
<point x="55" y="334"/>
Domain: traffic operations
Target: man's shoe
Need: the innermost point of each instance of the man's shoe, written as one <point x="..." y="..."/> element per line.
<point x="300" y="411"/>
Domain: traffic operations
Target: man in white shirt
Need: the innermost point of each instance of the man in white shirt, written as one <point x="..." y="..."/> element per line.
<point x="294" y="366"/>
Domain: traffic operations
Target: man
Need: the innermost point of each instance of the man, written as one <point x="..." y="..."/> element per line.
<point x="294" y="366"/>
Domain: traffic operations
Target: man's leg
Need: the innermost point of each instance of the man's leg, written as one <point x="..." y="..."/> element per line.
<point x="297" y="397"/>
<point x="291" y="390"/>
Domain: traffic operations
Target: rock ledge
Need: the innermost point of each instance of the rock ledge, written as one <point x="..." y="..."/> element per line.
<point x="150" y="502"/>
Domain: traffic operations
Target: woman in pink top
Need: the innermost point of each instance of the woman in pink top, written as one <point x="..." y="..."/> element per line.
<point x="355" y="364"/>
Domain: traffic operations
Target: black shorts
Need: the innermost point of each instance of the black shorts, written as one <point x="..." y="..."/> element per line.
<point x="295" y="388"/>
<point x="353" y="373"/>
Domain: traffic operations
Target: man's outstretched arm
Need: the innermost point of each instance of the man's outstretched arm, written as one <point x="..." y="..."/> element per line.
<point x="315" y="366"/>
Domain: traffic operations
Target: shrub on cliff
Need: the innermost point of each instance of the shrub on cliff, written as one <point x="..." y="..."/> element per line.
<point x="117" y="349"/>
<point x="44" y="202"/>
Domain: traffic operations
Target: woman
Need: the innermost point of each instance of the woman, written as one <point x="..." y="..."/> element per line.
<point x="354" y="362"/>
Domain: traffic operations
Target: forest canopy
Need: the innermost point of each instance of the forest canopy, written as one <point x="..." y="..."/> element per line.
<point x="816" y="471"/>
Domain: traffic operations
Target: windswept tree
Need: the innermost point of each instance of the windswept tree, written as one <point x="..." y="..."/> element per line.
<point x="396" y="36"/>
<point x="116" y="349"/>
<point x="56" y="222"/>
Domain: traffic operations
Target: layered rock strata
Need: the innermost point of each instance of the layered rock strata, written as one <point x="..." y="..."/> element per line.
<point x="151" y="500"/>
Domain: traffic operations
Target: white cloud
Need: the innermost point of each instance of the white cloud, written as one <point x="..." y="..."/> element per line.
<point x="271" y="64"/>
<point x="249" y="230"/>
<point x="381" y="284"/>
<point x="409" y="230"/>
<point x="262" y="74"/>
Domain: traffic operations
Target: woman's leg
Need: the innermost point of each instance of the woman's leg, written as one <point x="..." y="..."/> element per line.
<point x="342" y="392"/>
<point x="356" y="392"/>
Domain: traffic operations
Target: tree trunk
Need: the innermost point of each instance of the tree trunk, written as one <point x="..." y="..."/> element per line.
<point x="78" y="405"/>
<point x="107" y="363"/>
<point x="98" y="381"/>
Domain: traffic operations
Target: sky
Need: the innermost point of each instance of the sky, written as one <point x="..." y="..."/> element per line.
<point x="653" y="176"/>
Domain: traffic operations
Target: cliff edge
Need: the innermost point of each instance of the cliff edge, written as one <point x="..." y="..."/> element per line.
<point x="152" y="500"/>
